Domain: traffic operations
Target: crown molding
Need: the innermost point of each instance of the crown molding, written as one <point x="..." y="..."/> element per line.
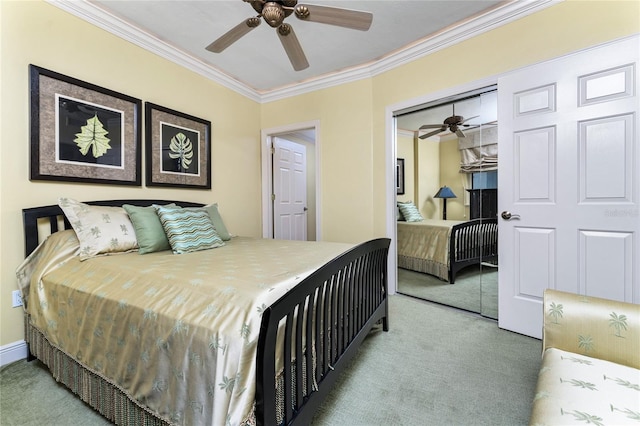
<point x="501" y="15"/>
<point x="116" y="26"/>
<point x="407" y="133"/>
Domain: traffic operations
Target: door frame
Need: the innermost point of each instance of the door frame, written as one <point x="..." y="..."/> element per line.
<point x="391" y="159"/>
<point x="267" y="173"/>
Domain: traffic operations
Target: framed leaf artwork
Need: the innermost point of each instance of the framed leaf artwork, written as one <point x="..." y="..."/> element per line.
<point x="81" y="132"/>
<point x="178" y="148"/>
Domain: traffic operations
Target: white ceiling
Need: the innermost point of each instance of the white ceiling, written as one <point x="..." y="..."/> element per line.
<point x="257" y="65"/>
<point x="258" y="59"/>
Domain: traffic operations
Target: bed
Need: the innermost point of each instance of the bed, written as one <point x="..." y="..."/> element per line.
<point x="444" y="247"/>
<point x="142" y="347"/>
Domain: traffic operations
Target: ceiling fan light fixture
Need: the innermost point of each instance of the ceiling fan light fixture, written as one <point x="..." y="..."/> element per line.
<point x="273" y="13"/>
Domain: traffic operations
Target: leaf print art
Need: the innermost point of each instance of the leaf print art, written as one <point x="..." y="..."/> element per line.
<point x="93" y="135"/>
<point x="181" y="150"/>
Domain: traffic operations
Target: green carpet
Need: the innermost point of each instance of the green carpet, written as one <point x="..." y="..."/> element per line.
<point x="475" y="289"/>
<point x="436" y="366"/>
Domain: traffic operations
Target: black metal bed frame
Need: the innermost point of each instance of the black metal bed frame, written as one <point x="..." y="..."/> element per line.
<point x="334" y="309"/>
<point x="472" y="242"/>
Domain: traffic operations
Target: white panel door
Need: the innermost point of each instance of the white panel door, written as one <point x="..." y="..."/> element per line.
<point x="569" y="168"/>
<point x="290" y="190"/>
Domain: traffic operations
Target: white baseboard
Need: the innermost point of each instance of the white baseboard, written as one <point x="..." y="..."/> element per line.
<point x="13" y="352"/>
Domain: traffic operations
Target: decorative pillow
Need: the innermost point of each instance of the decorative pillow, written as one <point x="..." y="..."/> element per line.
<point x="100" y="230"/>
<point x="149" y="231"/>
<point x="399" y="216"/>
<point x="188" y="229"/>
<point x="410" y="212"/>
<point x="214" y="214"/>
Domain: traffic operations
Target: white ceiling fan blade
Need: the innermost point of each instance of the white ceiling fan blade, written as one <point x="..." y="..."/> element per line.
<point x="427" y="135"/>
<point x="460" y="134"/>
<point x="233" y="35"/>
<point x="292" y="47"/>
<point x="347" y="18"/>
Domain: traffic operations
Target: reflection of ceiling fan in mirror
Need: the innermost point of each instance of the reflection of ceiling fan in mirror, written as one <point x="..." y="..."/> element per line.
<point x="275" y="12"/>
<point x="452" y="123"/>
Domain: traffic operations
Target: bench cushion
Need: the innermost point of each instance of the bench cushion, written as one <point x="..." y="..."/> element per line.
<point x="577" y="389"/>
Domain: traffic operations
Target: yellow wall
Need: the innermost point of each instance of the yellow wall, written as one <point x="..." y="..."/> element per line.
<point x="450" y="176"/>
<point x="405" y="150"/>
<point x="346" y="153"/>
<point x="429" y="178"/>
<point x="41" y="34"/>
<point x="352" y="116"/>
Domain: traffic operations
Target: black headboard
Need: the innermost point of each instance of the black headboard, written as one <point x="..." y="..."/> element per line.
<point x="52" y="213"/>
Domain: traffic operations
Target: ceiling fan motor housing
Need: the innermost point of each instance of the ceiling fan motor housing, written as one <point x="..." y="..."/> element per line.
<point x="274" y="12"/>
<point x="454" y="120"/>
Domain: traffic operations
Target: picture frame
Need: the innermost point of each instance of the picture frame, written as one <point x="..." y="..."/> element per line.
<point x="178" y="148"/>
<point x="81" y="132"/>
<point x="400" y="176"/>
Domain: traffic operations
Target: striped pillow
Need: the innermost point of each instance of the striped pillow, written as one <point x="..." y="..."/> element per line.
<point x="410" y="212"/>
<point x="188" y="229"/>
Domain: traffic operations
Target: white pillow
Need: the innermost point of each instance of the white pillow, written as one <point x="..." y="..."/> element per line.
<point x="100" y="230"/>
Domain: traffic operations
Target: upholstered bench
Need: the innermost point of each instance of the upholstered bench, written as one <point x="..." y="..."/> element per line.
<point x="590" y="372"/>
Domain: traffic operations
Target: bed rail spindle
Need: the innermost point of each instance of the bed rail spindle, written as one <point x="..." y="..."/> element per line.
<point x="335" y="292"/>
<point x="341" y="313"/>
<point x="288" y="392"/>
<point x="319" y="335"/>
<point x="310" y="354"/>
<point x="299" y="352"/>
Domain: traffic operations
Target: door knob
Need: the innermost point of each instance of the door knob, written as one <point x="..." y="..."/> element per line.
<point x="508" y="216"/>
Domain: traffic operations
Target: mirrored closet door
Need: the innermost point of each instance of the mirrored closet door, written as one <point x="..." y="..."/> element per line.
<point x="447" y="201"/>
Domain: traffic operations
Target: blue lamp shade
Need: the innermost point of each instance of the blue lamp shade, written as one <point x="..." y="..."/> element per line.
<point x="445" y="192"/>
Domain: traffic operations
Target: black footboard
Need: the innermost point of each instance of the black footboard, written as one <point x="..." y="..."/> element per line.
<point x="472" y="242"/>
<point x="325" y="318"/>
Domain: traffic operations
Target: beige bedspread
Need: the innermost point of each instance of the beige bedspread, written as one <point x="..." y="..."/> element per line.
<point x="177" y="333"/>
<point x="424" y="246"/>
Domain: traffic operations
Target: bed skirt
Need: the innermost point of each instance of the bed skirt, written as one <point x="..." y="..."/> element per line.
<point x="107" y="399"/>
<point x="424" y="265"/>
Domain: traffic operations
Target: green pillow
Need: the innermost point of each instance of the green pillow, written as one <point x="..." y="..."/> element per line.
<point x="214" y="214"/>
<point x="188" y="229"/>
<point x="149" y="231"/>
<point x="410" y="212"/>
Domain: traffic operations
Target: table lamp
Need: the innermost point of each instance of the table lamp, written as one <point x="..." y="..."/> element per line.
<point x="444" y="193"/>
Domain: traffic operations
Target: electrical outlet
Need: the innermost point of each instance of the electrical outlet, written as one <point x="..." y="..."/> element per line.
<point x="16" y="298"/>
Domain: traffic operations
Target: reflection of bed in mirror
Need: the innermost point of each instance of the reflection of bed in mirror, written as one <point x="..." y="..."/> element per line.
<point x="444" y="247"/>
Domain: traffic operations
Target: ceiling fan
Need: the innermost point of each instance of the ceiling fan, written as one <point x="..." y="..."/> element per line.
<point x="452" y="123"/>
<point x="275" y="12"/>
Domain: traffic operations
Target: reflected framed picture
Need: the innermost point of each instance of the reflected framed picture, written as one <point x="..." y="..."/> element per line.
<point x="81" y="132"/>
<point x="400" y="176"/>
<point x="178" y="148"/>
